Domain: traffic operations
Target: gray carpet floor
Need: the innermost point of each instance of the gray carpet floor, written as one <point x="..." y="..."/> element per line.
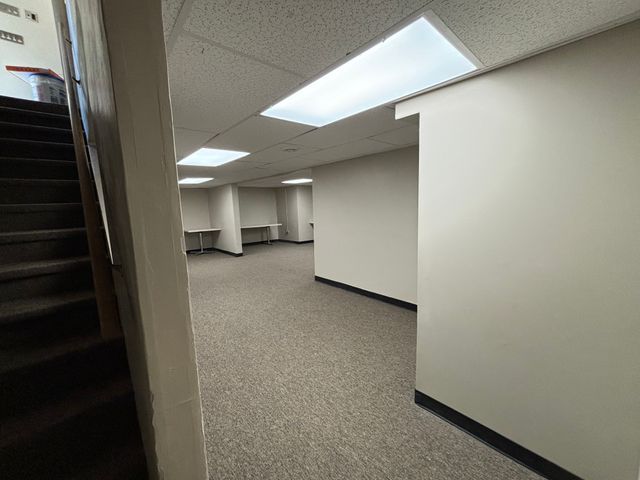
<point x="301" y="380"/>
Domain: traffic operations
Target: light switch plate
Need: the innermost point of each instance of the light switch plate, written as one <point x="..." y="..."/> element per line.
<point x="29" y="15"/>
<point x="9" y="9"/>
<point x="11" y="37"/>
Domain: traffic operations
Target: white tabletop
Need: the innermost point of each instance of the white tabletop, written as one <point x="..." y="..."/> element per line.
<point x="202" y="230"/>
<point x="262" y="226"/>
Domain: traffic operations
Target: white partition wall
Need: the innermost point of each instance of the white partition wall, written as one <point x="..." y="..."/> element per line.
<point x="257" y="206"/>
<point x="528" y="252"/>
<point x="295" y="212"/>
<point x="195" y="215"/>
<point x="224" y="213"/>
<point x="365" y="215"/>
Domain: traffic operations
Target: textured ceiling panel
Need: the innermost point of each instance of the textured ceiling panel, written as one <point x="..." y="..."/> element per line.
<point x="170" y="11"/>
<point x="301" y="36"/>
<point x="294" y="164"/>
<point x="280" y="152"/>
<point x="402" y="136"/>
<point x="499" y="30"/>
<point x="257" y="133"/>
<point x="212" y="88"/>
<point x="349" y="150"/>
<point x="188" y="141"/>
<point x="366" y="124"/>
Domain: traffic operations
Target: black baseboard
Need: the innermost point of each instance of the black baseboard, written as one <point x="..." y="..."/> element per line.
<point x="263" y="242"/>
<point x="293" y="241"/>
<point x="212" y="249"/>
<point x="518" y="453"/>
<point x="383" y="298"/>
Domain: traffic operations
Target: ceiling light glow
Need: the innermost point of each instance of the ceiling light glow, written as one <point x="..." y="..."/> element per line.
<point x="212" y="157"/>
<point x="194" y="180"/>
<point x="414" y="58"/>
<point x="298" y="180"/>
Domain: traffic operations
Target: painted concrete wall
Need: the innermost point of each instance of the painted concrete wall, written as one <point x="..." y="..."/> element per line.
<point x="365" y="214"/>
<point x="195" y="215"/>
<point x="528" y="252"/>
<point x="224" y="213"/>
<point x="40" y="47"/>
<point x="257" y="207"/>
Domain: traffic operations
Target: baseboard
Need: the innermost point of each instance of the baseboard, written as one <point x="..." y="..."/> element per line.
<point x="518" y="453"/>
<point x="213" y="249"/>
<point x="293" y="241"/>
<point x="383" y="298"/>
<point x="264" y="242"/>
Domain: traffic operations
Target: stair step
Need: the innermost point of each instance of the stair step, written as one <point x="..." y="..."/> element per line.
<point x="126" y="462"/>
<point x="32" y="117"/>
<point x="30" y="377"/>
<point x="16" y="167"/>
<point x="11" y="147"/>
<point x="39" y="216"/>
<point x="32" y="190"/>
<point x="35" y="132"/>
<point x="36" y="245"/>
<point x="63" y="438"/>
<point x="23" y="104"/>
<point x="38" y="320"/>
<point x="44" y="277"/>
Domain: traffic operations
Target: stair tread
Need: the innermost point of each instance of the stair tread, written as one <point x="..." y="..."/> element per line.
<point x="20" y="358"/>
<point x="34" y="112"/>
<point x="119" y="463"/>
<point x="45" y="161"/>
<point x="42" y="267"/>
<point x="43" y="142"/>
<point x="38" y="207"/>
<point x="22" y="427"/>
<point x="40" y="181"/>
<point x="36" y="235"/>
<point x="16" y="310"/>
<point x="33" y="105"/>
<point x="61" y="131"/>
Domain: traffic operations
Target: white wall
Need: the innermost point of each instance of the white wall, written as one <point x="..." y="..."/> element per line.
<point x="40" y="47"/>
<point x="529" y="260"/>
<point x="195" y="215"/>
<point x="224" y="213"/>
<point x="365" y="214"/>
<point x="257" y="207"/>
<point x="294" y="211"/>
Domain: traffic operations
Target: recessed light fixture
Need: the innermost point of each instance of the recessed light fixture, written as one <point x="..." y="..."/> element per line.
<point x="299" y="180"/>
<point x="212" y="157"/>
<point x="194" y="180"/>
<point x="417" y="57"/>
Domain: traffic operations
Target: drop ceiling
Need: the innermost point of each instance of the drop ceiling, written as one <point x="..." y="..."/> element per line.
<point x="230" y="59"/>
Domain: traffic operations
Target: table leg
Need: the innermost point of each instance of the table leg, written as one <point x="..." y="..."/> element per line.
<point x="268" y="235"/>
<point x="201" y="244"/>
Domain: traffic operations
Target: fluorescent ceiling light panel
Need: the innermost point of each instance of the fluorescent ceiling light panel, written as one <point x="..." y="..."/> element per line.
<point x="194" y="180"/>
<point x="414" y="58"/>
<point x="212" y="157"/>
<point x="299" y="180"/>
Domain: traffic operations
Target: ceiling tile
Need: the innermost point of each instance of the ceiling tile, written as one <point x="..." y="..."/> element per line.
<point x="402" y="136"/>
<point x="257" y="133"/>
<point x="170" y="11"/>
<point x="292" y="164"/>
<point x="498" y="30"/>
<point x="366" y="124"/>
<point x="280" y="152"/>
<point x="310" y="36"/>
<point x="213" y="88"/>
<point x="188" y="141"/>
<point x="349" y="150"/>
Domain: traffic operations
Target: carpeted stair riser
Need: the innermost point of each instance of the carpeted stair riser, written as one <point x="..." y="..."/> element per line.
<point x="30" y="117"/>
<point x="10" y="147"/>
<point x="55" y="246"/>
<point x="36" y="385"/>
<point x="40" y="107"/>
<point x="47" y="284"/>
<point x="43" y="329"/>
<point x="11" y="167"/>
<point x="35" y="132"/>
<point x="68" y="448"/>
<point x="14" y="191"/>
<point x="17" y="218"/>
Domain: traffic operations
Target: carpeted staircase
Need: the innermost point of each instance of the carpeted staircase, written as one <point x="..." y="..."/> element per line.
<point x="66" y="402"/>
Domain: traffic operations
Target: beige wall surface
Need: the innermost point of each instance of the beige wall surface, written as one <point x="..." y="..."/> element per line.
<point x="365" y="214"/>
<point x="224" y="213"/>
<point x="529" y="252"/>
<point x="195" y="215"/>
<point x="304" y="197"/>
<point x="257" y="207"/>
